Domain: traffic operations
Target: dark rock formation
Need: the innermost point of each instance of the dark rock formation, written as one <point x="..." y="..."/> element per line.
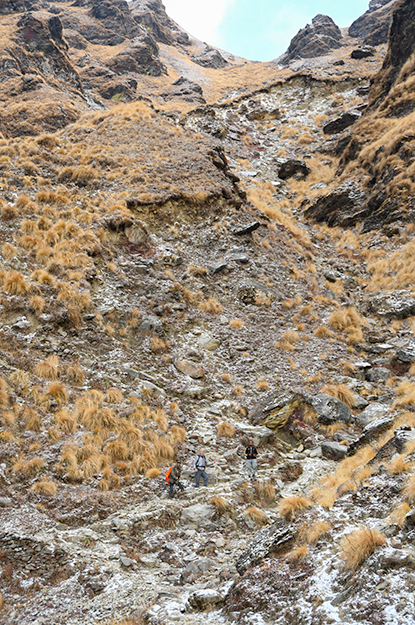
<point x="362" y="53"/>
<point x="152" y="15"/>
<point x="316" y="39"/>
<point x="209" y="57"/>
<point x="341" y="123"/>
<point x="344" y="206"/>
<point x="272" y="540"/>
<point x="293" y="167"/>
<point x="373" y="26"/>
<point x="185" y="89"/>
<point x="370" y="432"/>
<point x="141" y="57"/>
<point x="333" y="451"/>
<point x="393" y="305"/>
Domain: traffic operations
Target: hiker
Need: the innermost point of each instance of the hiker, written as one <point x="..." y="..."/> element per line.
<point x="250" y="455"/>
<point x="173" y="477"/>
<point x="199" y="466"/>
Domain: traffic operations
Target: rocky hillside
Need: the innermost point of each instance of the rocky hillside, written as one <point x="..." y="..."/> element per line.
<point x="186" y="266"/>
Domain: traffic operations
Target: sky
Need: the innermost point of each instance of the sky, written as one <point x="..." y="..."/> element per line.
<point x="259" y="30"/>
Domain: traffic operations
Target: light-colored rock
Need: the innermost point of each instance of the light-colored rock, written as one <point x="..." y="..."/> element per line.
<point x="198" y="515"/>
<point x="190" y="368"/>
<point x="275" y="409"/>
<point x="372" y="412"/>
<point x="205" y="599"/>
<point x="261" y="435"/>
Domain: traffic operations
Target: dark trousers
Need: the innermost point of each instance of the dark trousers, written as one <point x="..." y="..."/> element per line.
<point x="201" y="473"/>
<point x="171" y="484"/>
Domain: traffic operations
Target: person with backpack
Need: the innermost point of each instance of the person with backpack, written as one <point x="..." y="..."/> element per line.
<point x="199" y="466"/>
<point x="173" y="478"/>
<point x="251" y="462"/>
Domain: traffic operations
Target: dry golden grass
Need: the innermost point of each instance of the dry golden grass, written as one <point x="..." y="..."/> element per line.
<point x="262" y="385"/>
<point x="350" y="322"/>
<point x="408" y="491"/>
<point x="399" y="513"/>
<point x="32" y="420"/>
<point x="357" y="546"/>
<point x="15" y="283"/>
<point x="226" y="430"/>
<point x="236" y="323"/>
<point x="256" y="515"/>
<point x="28" y="467"/>
<point x="322" y="332"/>
<point x="158" y="346"/>
<point x="289" y="507"/>
<point x="211" y="306"/>
<point x="117" y="450"/>
<point x="399" y="464"/>
<point x="152" y="473"/>
<point x="76" y="374"/>
<point x="297" y="555"/>
<point x="291" y="337"/>
<point x="37" y="303"/>
<point x="66" y="422"/>
<point x="340" y="391"/>
<point x="159" y="417"/>
<point x="177" y="434"/>
<point x="58" y="391"/>
<point x="220" y="504"/>
<point x="312" y="534"/>
<point x="48" y="368"/>
<point x="113" y="396"/>
<point x="49" y="489"/>
<point x="8" y="251"/>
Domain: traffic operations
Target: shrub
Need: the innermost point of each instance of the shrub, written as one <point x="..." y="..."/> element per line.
<point x="8" y="251"/>
<point x="409" y="491"/>
<point x="66" y="422"/>
<point x="262" y="385"/>
<point x="297" y="555"/>
<point x="220" y="504"/>
<point x="159" y="417"/>
<point x="117" y="450"/>
<point x="357" y="546"/>
<point x="113" y="396"/>
<point x="76" y="374"/>
<point x="256" y="515"/>
<point x="236" y="323"/>
<point x="32" y="420"/>
<point x="177" y="434"/>
<point x="15" y="283"/>
<point x="289" y="507"/>
<point x="157" y="345"/>
<point x="311" y="534"/>
<point x="44" y="488"/>
<point x="58" y="391"/>
<point x="226" y="429"/>
<point x="349" y="321"/>
<point x="48" y="368"/>
<point x="291" y="337"/>
<point x="211" y="306"/>
<point x="37" y="304"/>
<point x="151" y="473"/>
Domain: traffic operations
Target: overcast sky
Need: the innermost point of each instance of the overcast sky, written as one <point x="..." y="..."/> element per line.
<point x="256" y="29"/>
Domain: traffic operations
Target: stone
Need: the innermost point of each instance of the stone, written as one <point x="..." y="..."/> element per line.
<point x="393" y="305"/>
<point x="370" y="432"/>
<point x="373" y="411"/>
<point x="218" y="267"/>
<point x="209" y="57"/>
<point x="333" y="451"/>
<point x="190" y="368"/>
<point x="126" y="561"/>
<point x="5" y="502"/>
<point x="186" y="89"/>
<point x="406" y="354"/>
<point x="260" y="435"/>
<point x="197" y="515"/>
<point x="340" y="207"/>
<point x="260" y="113"/>
<point x="196" y="569"/>
<point x="341" y="123"/>
<point x="151" y="14"/>
<point x="209" y="343"/>
<point x="330" y="409"/>
<point x="378" y="374"/>
<point x="410" y="519"/>
<point x="293" y="167"/>
<point x="272" y="540"/>
<point x="362" y="53"/>
<point x="398" y="558"/>
<point x="205" y="599"/>
<point x="402" y="436"/>
<point x="248" y="228"/>
<point x="275" y="409"/>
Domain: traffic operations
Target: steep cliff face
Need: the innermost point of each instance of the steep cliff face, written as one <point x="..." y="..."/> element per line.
<point x="316" y="39"/>
<point x="373" y="26"/>
<point x="152" y="15"/>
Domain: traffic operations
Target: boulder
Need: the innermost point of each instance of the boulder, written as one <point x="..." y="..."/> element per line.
<point x="185" y="89"/>
<point x="406" y="354"/>
<point x="140" y="57"/>
<point x="398" y="558"/>
<point x="197" y="515"/>
<point x="247" y="229"/>
<point x="293" y="167"/>
<point x="362" y="53"/>
<point x="151" y="14"/>
<point x="275" y="409"/>
<point x="330" y="409"/>
<point x="254" y="292"/>
<point x="205" y="599"/>
<point x="190" y="368"/>
<point x="260" y="435"/>
<point x="341" y="123"/>
<point x="272" y="540"/>
<point x="373" y="26"/>
<point x="378" y="374"/>
<point x="371" y="431"/>
<point x="260" y="113"/>
<point x="374" y="411"/>
<point x="393" y="305"/>
<point x="333" y="451"/>
<point x="196" y="569"/>
<point x="209" y="57"/>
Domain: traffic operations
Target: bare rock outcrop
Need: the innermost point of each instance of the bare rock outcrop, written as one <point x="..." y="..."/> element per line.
<point x="316" y="39"/>
<point x="152" y="15"/>
<point x="373" y="26"/>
